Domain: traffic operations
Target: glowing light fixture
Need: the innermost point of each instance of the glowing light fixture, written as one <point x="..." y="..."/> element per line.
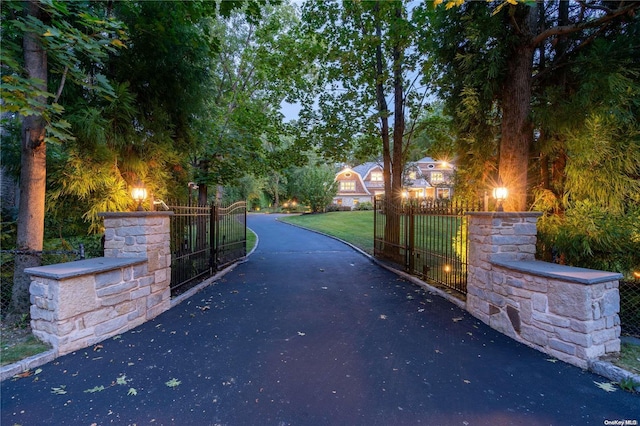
<point x="500" y="193"/>
<point x="139" y="194"/>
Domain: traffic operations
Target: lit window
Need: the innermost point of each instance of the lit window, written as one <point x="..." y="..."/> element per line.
<point x="437" y="177"/>
<point x="356" y="201"/>
<point x="412" y="175"/>
<point x="376" y="176"/>
<point x="339" y="201"/>
<point x="443" y="193"/>
<point x="348" y="185"/>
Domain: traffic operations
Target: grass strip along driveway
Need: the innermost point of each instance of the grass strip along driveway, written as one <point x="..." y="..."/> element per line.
<point x="354" y="227"/>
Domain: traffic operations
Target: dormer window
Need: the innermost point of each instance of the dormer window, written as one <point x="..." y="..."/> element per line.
<point x="376" y="176"/>
<point x="348" y="174"/>
<point x="348" y="185"/>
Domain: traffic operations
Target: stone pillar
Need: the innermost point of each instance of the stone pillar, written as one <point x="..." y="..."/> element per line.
<point x="143" y="234"/>
<point x="495" y="236"/>
<point x="567" y="312"/>
<point x="506" y="236"/>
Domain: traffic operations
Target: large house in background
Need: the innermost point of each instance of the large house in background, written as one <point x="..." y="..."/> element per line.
<point x="425" y="178"/>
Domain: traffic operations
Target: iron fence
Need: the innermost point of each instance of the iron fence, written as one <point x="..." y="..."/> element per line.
<point x="630" y="308"/>
<point x="48" y="257"/>
<point x="425" y="237"/>
<point x="205" y="239"/>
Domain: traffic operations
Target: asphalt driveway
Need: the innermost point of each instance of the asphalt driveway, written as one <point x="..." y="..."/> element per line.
<point x="311" y="332"/>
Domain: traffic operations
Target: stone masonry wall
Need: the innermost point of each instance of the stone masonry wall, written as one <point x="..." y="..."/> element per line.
<point x="569" y="313"/>
<point x="78" y="304"/>
<point x="82" y="305"/>
<point x="143" y="234"/>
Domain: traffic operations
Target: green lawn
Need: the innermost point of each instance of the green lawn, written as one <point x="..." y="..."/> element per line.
<point x="251" y="240"/>
<point x="355" y="227"/>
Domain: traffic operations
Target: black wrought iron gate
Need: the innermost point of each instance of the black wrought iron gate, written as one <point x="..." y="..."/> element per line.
<point x="205" y="239"/>
<point x="427" y="238"/>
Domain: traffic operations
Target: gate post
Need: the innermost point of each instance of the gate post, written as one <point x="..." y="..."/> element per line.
<point x="215" y="231"/>
<point x="147" y="235"/>
<point x="410" y="237"/>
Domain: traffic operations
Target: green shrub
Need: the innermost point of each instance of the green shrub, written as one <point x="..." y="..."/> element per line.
<point x="588" y="235"/>
<point x="367" y="205"/>
<point x="337" y="208"/>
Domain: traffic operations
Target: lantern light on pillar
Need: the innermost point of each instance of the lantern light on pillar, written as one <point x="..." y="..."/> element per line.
<point x="139" y="194"/>
<point x="500" y="193"/>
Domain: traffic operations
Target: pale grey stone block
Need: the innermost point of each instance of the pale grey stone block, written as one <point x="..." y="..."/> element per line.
<point x="570" y="300"/>
<point x="548" y="318"/>
<point x="66" y="327"/>
<point x="539" y="302"/>
<point x="605" y="335"/>
<point x="158" y="309"/>
<point x="595" y="310"/>
<point x="99" y="316"/>
<point x="502" y="240"/>
<point x="154" y="300"/>
<point x="534" y="335"/>
<point x="140" y="270"/>
<point x="525" y="228"/>
<point x="536" y="284"/>
<point x="507" y="231"/>
<point x="109" y="278"/>
<point x="114" y="300"/>
<point x="41" y="314"/>
<point x="103" y="329"/>
<point x="580" y="339"/>
<point x="587" y="326"/>
<point x="146" y="281"/>
<point x="37" y="288"/>
<point x="611" y="303"/>
<point x="515" y="282"/>
<point x="590" y="353"/>
<point x="123" y="287"/>
<point x="563" y="347"/>
<point x="612" y="346"/>
<point x="134" y="315"/>
<point x="525" y="311"/>
<point x="140" y="292"/>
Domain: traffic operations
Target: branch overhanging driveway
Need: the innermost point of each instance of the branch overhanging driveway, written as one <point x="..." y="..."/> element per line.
<point x="311" y="332"/>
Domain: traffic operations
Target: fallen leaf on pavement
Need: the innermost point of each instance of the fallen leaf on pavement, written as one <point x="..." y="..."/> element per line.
<point x="23" y="374"/>
<point x="173" y="383"/>
<point x="607" y="387"/>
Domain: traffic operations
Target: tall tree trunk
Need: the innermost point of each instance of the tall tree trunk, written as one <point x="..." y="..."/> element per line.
<point x="203" y="194"/>
<point x="398" y="116"/>
<point x="33" y="173"/>
<point x="392" y="222"/>
<point x="276" y="190"/>
<point x="517" y="128"/>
